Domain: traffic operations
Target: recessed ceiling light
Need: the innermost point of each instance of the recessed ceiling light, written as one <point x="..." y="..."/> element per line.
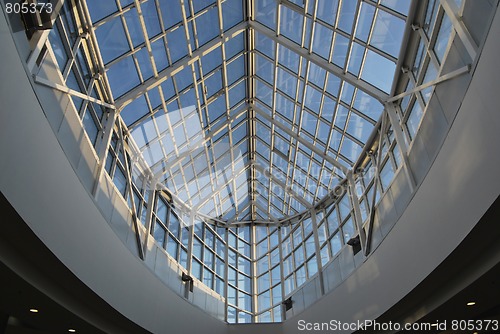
<point x="72" y="330"/>
<point x="471" y="303"/>
<point x="33" y="310"/>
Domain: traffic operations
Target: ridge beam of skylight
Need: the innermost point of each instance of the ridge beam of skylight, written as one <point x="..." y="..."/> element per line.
<point x="300" y="139"/>
<point x="178" y="66"/>
<point x="329" y="67"/>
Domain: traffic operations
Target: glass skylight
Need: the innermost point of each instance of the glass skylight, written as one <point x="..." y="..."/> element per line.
<point x="249" y="111"/>
<point x="246" y="118"/>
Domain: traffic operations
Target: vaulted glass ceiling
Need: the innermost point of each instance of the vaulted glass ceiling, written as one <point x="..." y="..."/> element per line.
<point x="249" y="110"/>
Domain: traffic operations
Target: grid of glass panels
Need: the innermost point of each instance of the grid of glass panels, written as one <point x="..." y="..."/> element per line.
<point x="435" y="37"/>
<point x="336" y="226"/>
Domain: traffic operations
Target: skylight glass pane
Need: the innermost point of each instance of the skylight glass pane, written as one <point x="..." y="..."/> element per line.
<point x="234" y="46"/>
<point x="160" y="54"/>
<point x="211" y="60"/>
<point x="322" y="41"/>
<point x="150" y="15"/>
<point x="359" y="128"/>
<point x="356" y="58"/>
<point x="264" y="69"/>
<point x="264" y="44"/>
<point x="134" y="26"/>
<point x="286" y="82"/>
<point x="443" y="38"/>
<point x="350" y="149"/>
<point x="100" y="9"/>
<point x="401" y="6"/>
<point x="347" y="14"/>
<point x="388" y="33"/>
<point x="144" y="64"/>
<point x="378" y="71"/>
<point x="316" y="75"/>
<point x="340" y="50"/>
<point x="237" y="93"/>
<point x="135" y="110"/>
<point x="213" y="83"/>
<point x="235" y="70"/>
<point x="200" y="4"/>
<point x="368" y="105"/>
<point x="289" y="59"/>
